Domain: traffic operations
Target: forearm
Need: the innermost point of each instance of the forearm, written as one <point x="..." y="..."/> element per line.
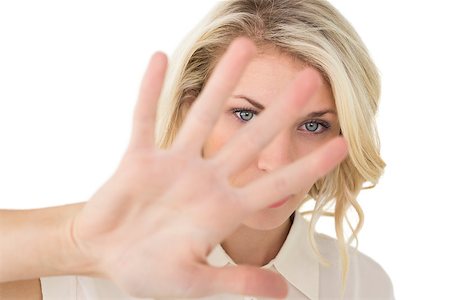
<point x="37" y="242"/>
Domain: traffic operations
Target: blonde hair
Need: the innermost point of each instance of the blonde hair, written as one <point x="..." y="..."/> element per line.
<point x="314" y="32"/>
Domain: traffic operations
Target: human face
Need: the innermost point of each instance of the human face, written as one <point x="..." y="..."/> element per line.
<point x="262" y="83"/>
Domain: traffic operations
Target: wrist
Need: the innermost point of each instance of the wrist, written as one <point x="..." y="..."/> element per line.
<point x="38" y="242"/>
<point x="72" y="259"/>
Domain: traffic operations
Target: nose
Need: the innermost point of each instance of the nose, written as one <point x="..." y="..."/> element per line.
<point x="279" y="153"/>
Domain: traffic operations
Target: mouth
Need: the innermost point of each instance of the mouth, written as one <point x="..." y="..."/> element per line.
<point x="280" y="203"/>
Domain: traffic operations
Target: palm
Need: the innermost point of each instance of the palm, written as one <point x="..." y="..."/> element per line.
<point x="151" y="226"/>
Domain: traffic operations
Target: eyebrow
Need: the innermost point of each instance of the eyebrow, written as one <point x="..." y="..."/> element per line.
<point x="313" y="114"/>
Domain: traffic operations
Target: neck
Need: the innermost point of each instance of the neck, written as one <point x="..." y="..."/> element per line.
<point x="256" y="247"/>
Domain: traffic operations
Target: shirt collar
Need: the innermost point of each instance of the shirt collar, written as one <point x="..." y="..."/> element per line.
<point x="296" y="260"/>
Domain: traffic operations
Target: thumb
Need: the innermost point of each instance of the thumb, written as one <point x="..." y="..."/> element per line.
<point x="242" y="279"/>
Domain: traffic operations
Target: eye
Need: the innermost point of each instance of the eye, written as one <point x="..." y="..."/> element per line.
<point x="244" y="115"/>
<point x="315" y="126"/>
<point x="311" y="126"/>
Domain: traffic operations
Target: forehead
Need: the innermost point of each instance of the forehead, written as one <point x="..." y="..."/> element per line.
<point x="270" y="73"/>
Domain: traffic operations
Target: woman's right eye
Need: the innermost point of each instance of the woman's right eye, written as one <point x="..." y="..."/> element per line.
<point x="244" y="115"/>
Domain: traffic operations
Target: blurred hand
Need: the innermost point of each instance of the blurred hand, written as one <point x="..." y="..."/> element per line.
<point x="151" y="226"/>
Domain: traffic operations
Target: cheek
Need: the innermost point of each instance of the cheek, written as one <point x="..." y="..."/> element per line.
<point x="306" y="144"/>
<point x="219" y="136"/>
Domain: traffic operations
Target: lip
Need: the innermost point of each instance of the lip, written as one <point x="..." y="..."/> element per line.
<point x="279" y="203"/>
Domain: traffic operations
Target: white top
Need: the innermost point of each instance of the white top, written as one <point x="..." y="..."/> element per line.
<point x="296" y="262"/>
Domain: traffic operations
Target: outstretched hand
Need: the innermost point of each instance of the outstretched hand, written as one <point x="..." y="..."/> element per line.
<point x="151" y="226"/>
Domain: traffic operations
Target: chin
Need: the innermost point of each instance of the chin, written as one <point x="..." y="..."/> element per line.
<point x="270" y="218"/>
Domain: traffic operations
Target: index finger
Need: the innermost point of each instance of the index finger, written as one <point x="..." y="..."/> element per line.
<point x="294" y="178"/>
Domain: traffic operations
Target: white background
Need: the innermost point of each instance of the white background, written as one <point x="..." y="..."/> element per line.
<point x="69" y="76"/>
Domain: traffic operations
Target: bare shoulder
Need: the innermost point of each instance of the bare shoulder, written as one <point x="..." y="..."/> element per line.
<point x="24" y="289"/>
<point x="365" y="275"/>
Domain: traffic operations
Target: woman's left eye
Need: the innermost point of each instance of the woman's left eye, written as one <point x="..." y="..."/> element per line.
<point x="315" y="127"/>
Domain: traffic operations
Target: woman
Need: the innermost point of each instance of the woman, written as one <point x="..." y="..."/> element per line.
<point x="290" y="36"/>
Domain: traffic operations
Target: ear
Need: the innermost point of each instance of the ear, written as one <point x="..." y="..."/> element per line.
<point x="185" y="105"/>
